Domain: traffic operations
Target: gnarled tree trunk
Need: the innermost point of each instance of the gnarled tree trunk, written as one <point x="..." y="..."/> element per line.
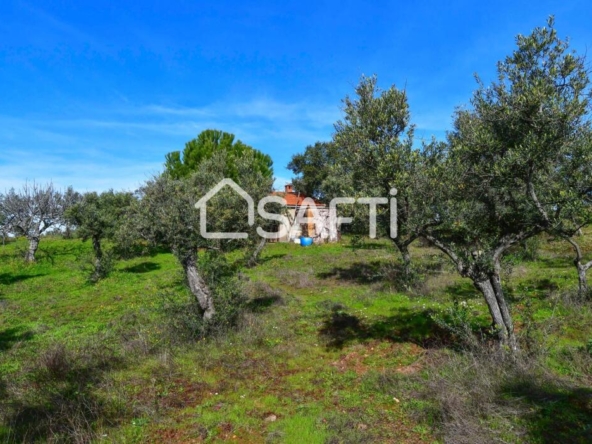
<point x="256" y="253"/>
<point x="486" y="289"/>
<point x="198" y="286"/>
<point x="583" y="289"/>
<point x="508" y="324"/>
<point x="32" y="250"/>
<point x="582" y="268"/>
<point x="403" y="247"/>
<point x="96" y="243"/>
<point x="489" y="284"/>
<point x="498" y="309"/>
<point x="406" y="256"/>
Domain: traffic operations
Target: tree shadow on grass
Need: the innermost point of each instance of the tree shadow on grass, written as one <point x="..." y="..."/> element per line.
<point x="543" y="284"/>
<point x="382" y="271"/>
<point x="9" y="278"/>
<point x="263" y="303"/>
<point x="358" y="272"/>
<point x="242" y="262"/>
<point x="340" y="328"/>
<point x="462" y="290"/>
<point x="532" y="288"/>
<point x="269" y="258"/>
<point x="558" y="415"/>
<point x="368" y="246"/>
<point x="555" y="262"/>
<point x="10" y="336"/>
<point x="51" y="252"/>
<point x="144" y="267"/>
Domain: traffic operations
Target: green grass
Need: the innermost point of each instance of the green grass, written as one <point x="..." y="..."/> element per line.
<point x="320" y="357"/>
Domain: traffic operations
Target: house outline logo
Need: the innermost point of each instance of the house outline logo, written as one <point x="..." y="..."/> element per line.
<point x="202" y="206"/>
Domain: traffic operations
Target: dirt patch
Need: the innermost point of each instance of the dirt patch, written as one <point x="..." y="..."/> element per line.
<point x="351" y="361"/>
<point x="364" y="358"/>
<point x="184" y="394"/>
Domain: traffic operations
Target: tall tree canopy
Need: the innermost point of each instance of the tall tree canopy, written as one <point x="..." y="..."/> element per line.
<point x="97" y="217"/>
<point x="205" y="145"/>
<point x="374" y="143"/>
<point x="166" y="215"/>
<point x="370" y="154"/>
<point x="313" y="169"/>
<point x="499" y="183"/>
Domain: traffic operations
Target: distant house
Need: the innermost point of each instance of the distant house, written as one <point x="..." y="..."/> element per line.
<point x="322" y="229"/>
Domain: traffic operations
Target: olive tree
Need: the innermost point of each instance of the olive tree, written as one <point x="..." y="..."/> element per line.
<point x="208" y="143"/>
<point x="31" y="211"/>
<point x="71" y="197"/>
<point x="567" y="203"/>
<point x="374" y="148"/>
<point x="97" y="217"/>
<point x="499" y="179"/>
<point x="166" y="215"/>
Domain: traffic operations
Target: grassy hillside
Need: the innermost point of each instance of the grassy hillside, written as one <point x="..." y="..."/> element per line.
<point x="332" y="348"/>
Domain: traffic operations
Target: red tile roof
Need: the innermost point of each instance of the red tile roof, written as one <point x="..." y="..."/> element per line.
<point x="294" y="199"/>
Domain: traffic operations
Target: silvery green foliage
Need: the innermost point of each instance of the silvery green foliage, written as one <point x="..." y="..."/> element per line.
<point x="499" y="183"/>
<point x="375" y="152"/>
<point x="165" y="215"/>
<point x="98" y="217"/>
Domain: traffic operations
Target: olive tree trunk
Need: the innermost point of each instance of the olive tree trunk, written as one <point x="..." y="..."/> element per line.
<point x="256" y="253"/>
<point x="32" y="250"/>
<point x="96" y="243"/>
<point x="198" y="286"/>
<point x="489" y="285"/>
<point x="403" y="247"/>
<point x="491" y="289"/>
<point x="581" y="267"/>
<point x="583" y="289"/>
<point x="507" y="325"/>
<point x="406" y="256"/>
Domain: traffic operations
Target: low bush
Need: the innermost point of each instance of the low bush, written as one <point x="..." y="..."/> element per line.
<point x="489" y="395"/>
<point x="96" y="269"/>
<point x="56" y="398"/>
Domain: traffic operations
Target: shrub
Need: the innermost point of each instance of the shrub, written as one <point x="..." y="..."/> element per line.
<point x="527" y="251"/>
<point x="56" y="398"/>
<point x="183" y="317"/>
<point x="488" y="395"/>
<point x="96" y="269"/>
<point x="457" y="321"/>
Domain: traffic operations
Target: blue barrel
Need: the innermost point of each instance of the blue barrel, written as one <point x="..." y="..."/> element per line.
<point x="305" y="241"/>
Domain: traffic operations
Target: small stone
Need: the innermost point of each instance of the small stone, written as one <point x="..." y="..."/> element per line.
<point x="362" y="426"/>
<point x="395" y="399"/>
<point x="271" y="418"/>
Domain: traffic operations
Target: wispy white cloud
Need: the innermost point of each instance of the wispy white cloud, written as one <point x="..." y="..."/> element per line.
<point x="268" y="110"/>
<point x="122" y="147"/>
<point x="82" y="175"/>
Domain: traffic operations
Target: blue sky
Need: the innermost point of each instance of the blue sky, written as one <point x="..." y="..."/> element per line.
<point x="94" y="94"/>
